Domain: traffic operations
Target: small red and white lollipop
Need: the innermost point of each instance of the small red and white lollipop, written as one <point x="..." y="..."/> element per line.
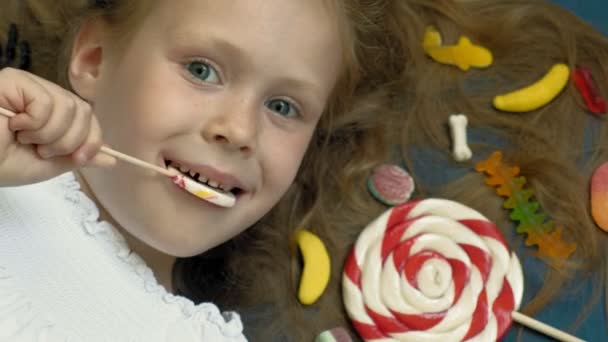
<point x="432" y="270"/>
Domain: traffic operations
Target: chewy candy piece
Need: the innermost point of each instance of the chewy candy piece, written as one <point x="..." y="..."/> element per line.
<point x="458" y="129"/>
<point x="215" y="196"/>
<point x="464" y="55"/>
<point x="537" y="94"/>
<point x="431" y="270"/>
<point x="524" y="210"/>
<point x="526" y="214"/>
<point x="599" y="196"/>
<point x="551" y="244"/>
<point x="500" y="174"/>
<point x="334" y="335"/>
<point x="516" y="193"/>
<point x="317" y="267"/>
<point x="583" y="80"/>
<point x="515" y="186"/>
<point x="390" y="184"/>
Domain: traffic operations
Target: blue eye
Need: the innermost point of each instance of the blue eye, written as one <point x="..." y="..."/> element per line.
<point x="203" y="71"/>
<point x="282" y="107"/>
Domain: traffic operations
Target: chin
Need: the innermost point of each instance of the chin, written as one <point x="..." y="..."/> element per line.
<point x="185" y="255"/>
<point x="183" y="251"/>
<point x="187" y="248"/>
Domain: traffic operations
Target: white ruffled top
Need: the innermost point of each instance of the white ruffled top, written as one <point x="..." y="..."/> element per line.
<point x="66" y="276"/>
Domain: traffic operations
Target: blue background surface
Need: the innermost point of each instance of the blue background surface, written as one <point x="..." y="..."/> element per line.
<point x="564" y="311"/>
<point x="593" y="11"/>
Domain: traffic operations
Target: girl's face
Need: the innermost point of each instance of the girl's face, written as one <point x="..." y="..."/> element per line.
<point x="232" y="88"/>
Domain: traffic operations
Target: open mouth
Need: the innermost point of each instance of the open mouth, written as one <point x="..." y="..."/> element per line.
<point x="200" y="179"/>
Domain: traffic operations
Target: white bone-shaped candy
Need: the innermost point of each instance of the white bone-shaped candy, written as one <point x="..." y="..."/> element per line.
<point x="458" y="128"/>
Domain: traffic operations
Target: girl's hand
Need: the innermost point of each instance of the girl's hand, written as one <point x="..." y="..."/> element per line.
<point x="53" y="132"/>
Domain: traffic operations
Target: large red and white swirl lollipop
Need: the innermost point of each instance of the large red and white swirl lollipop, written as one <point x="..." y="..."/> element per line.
<point x="432" y="270"/>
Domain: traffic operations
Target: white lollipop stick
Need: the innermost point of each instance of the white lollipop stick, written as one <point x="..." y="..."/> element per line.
<point x="136" y="162"/>
<point x="7" y="113"/>
<point x="543" y="328"/>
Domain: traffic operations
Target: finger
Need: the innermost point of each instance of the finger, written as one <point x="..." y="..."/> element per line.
<point x="90" y="148"/>
<point x="55" y="97"/>
<point x="25" y="96"/>
<point x="90" y="152"/>
<point x="71" y="140"/>
<point x="60" y="95"/>
<point x="62" y="101"/>
<point x="58" y="124"/>
<point x="53" y="88"/>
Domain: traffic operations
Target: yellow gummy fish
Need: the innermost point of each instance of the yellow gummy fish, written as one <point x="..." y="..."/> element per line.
<point x="464" y="55"/>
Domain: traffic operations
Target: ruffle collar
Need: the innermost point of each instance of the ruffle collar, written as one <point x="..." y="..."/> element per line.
<point x="229" y="323"/>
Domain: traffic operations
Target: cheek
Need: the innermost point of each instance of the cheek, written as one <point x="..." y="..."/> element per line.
<point x="146" y="106"/>
<point x="283" y="158"/>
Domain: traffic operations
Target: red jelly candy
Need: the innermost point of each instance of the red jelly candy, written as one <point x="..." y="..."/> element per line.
<point x="586" y="86"/>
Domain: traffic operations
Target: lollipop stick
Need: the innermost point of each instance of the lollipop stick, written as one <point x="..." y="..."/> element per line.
<point x="606" y="286"/>
<point x="135" y="161"/>
<point x="6" y="112"/>
<point x="544" y="328"/>
<point x="115" y="154"/>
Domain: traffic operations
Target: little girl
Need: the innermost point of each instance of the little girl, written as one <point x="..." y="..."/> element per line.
<point x="235" y="89"/>
<point x="230" y="93"/>
<point x="399" y="114"/>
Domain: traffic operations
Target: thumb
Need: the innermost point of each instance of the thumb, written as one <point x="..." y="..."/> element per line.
<point x="93" y="156"/>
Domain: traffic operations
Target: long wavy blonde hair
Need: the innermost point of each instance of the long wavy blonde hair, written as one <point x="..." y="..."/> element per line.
<point x="391" y="100"/>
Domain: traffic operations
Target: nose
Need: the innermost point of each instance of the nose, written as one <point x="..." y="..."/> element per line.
<point x="235" y="129"/>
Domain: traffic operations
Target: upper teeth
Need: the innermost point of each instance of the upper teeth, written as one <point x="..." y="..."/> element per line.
<point x="201" y="179"/>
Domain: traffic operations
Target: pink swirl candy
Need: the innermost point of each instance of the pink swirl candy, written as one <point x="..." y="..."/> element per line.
<point x="431" y="270"/>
